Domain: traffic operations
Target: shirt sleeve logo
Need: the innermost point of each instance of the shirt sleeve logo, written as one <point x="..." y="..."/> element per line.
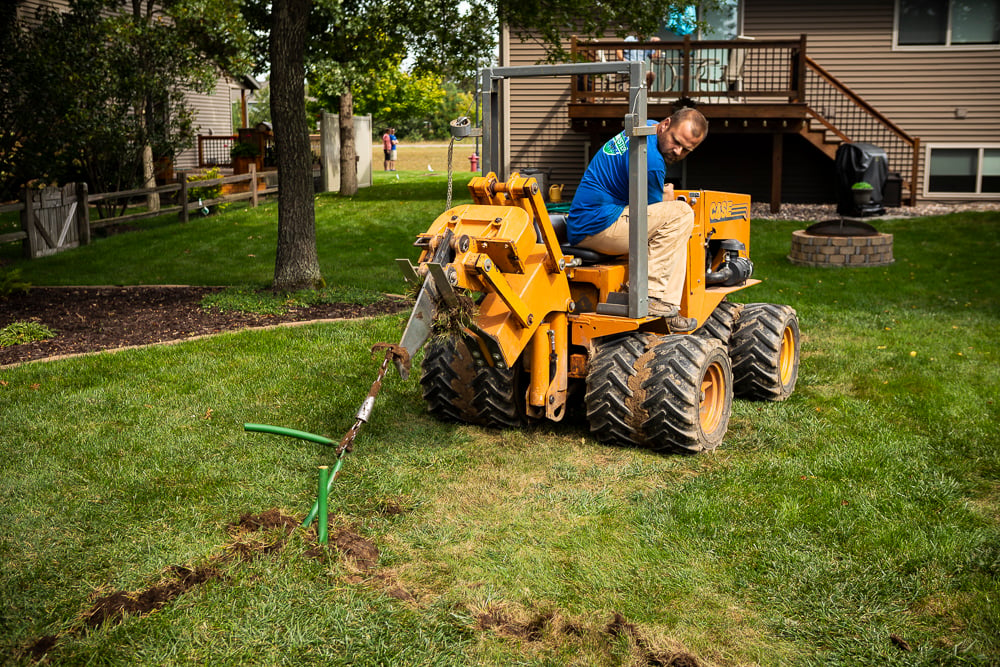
<point x="617" y="146"/>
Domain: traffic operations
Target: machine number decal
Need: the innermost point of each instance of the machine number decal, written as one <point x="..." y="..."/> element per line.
<point x="724" y="211"/>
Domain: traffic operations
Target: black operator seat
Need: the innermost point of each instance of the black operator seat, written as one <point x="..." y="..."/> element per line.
<point x="586" y="256"/>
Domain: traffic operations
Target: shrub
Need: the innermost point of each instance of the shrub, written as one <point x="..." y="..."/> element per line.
<point x="10" y="282"/>
<point x="208" y="192"/>
<point x="18" y="333"/>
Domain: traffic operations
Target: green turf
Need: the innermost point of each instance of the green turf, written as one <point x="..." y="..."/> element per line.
<point x="865" y="507"/>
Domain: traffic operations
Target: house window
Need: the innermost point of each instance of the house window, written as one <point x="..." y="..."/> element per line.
<point x="721" y="21"/>
<point x="949" y="23"/>
<point x="963" y="171"/>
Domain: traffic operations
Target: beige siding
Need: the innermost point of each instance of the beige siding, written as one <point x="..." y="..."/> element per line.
<point x="212" y="110"/>
<point x="28" y="10"/>
<point x="538" y="124"/>
<point x="213" y="115"/>
<point x="917" y="90"/>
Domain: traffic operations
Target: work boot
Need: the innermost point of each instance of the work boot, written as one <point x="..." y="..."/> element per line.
<point x="678" y="324"/>
<point x="660" y="308"/>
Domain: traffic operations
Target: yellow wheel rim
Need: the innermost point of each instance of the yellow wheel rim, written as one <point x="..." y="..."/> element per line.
<point x="713" y="398"/>
<point x="786" y="357"/>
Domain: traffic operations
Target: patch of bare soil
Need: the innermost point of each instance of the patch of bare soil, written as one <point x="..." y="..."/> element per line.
<point x="90" y="319"/>
<point x="647" y="655"/>
<point x="177" y="580"/>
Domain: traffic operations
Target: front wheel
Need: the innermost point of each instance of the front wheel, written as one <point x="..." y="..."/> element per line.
<point x="689" y="395"/>
<point x="765" y="352"/>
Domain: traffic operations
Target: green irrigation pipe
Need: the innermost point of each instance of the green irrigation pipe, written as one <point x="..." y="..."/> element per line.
<point x="327" y="484"/>
<point x="393" y="352"/>
<point x="290" y="432"/>
<point x="321" y="495"/>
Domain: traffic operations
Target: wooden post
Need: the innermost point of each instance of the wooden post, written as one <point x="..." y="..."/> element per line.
<point x="82" y="214"/>
<point x="686" y="67"/>
<point x="183" y="196"/>
<point x="777" y="145"/>
<point x="28" y="225"/>
<point x="799" y="80"/>
<point x="253" y="185"/>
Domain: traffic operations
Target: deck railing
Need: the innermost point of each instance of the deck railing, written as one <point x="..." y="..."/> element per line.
<point x="745" y="71"/>
<point x="213" y="150"/>
<point x="842" y="113"/>
<point x="713" y="71"/>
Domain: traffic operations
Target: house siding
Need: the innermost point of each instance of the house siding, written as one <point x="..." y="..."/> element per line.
<point x="212" y="110"/>
<point x="538" y="127"/>
<point x="918" y="90"/>
<point x="212" y="115"/>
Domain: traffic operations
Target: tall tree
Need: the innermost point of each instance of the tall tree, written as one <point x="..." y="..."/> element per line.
<point x="297" y="263"/>
<point x="353" y="37"/>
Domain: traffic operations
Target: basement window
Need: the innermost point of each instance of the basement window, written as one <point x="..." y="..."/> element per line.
<point x="963" y="171"/>
<point x="928" y="24"/>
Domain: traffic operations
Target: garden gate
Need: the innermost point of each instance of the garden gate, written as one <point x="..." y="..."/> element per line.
<point x="55" y="219"/>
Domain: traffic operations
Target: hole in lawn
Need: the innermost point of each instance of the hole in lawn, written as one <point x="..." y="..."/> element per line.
<point x="361" y="552"/>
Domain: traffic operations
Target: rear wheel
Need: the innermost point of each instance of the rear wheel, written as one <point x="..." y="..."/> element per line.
<point x="765" y="352"/>
<point x="669" y="393"/>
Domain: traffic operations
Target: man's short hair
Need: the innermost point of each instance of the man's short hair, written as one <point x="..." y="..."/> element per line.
<point x="699" y="124"/>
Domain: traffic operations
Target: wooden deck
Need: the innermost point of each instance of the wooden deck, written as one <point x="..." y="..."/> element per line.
<point x="742" y="87"/>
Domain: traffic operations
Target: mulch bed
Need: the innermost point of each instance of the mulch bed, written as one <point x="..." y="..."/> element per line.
<point x="90" y="319"/>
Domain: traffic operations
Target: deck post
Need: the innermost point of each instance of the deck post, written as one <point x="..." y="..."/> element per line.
<point x="777" y="146"/>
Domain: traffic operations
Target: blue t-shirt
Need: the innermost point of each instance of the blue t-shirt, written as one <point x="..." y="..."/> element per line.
<point x="603" y="191"/>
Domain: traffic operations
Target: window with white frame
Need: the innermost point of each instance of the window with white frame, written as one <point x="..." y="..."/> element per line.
<point x="923" y="24"/>
<point x="963" y="170"/>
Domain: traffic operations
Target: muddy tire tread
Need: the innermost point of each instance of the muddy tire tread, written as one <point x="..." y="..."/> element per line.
<point x="672" y="394"/>
<point x="755" y="348"/>
<point x="448" y="397"/>
<point x="608" y="391"/>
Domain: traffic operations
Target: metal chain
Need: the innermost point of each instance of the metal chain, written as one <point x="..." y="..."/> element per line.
<point x="451" y="151"/>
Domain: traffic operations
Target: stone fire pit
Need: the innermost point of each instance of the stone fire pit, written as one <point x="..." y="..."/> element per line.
<point x="843" y="242"/>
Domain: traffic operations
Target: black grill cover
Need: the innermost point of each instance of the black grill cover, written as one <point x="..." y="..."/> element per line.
<point x="859" y="162"/>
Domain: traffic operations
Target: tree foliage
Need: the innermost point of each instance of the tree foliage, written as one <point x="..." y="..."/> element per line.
<point x="86" y="91"/>
<point x="350" y="43"/>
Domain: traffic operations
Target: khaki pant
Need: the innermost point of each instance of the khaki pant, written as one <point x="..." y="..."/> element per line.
<point x="669" y="225"/>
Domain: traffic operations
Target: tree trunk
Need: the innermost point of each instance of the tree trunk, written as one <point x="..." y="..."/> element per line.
<point x="149" y="178"/>
<point x="348" y="148"/>
<point x="296" y="265"/>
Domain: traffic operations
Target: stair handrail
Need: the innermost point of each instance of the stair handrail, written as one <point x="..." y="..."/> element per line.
<point x="870" y="111"/>
<point x="857" y="99"/>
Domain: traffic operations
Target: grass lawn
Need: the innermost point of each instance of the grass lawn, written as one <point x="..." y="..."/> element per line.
<point x="856" y="523"/>
<point x="358" y="241"/>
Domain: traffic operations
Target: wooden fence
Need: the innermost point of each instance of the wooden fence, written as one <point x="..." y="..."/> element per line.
<point x="56" y="219"/>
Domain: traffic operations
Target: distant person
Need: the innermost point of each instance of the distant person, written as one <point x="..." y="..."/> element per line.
<point x="387" y="149"/>
<point x="395" y="143"/>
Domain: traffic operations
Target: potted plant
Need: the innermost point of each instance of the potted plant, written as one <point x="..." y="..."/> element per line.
<point x="862" y="192"/>
<point x="244" y="154"/>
